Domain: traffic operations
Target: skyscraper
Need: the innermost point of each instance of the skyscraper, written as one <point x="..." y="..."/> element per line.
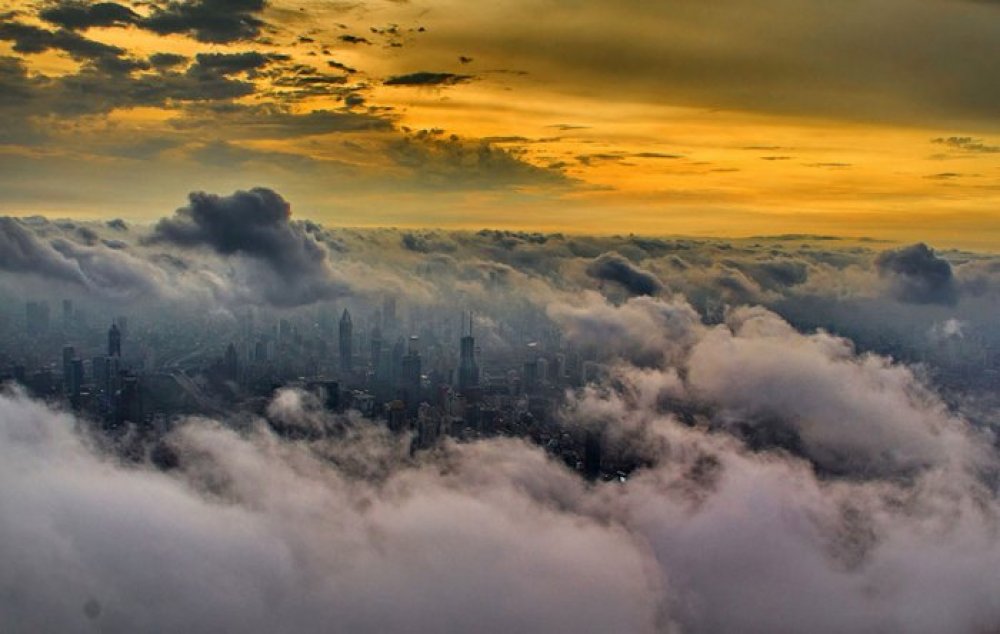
<point x="231" y="363"/>
<point x="376" y="347"/>
<point x="68" y="354"/>
<point x="114" y="341"/>
<point x="346" y="342"/>
<point x="410" y="381"/>
<point x="468" y="371"/>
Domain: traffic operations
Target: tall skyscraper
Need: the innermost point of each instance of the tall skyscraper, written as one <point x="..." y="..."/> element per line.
<point x="375" y="346"/>
<point x="75" y="377"/>
<point x="410" y="380"/>
<point x="388" y="313"/>
<point x="68" y="354"/>
<point x="37" y="316"/>
<point x="114" y="341"/>
<point x="231" y="362"/>
<point x="468" y="371"/>
<point x="346" y="342"/>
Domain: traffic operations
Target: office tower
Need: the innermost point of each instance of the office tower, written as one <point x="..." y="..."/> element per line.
<point x="129" y="403"/>
<point x="346" y="342"/>
<point x="529" y="377"/>
<point x="37" y="315"/>
<point x="410" y="378"/>
<point x="114" y="341"/>
<point x="284" y="331"/>
<point x="375" y="347"/>
<point x="388" y="313"/>
<point x="68" y="353"/>
<point x="75" y="377"/>
<point x="100" y="367"/>
<point x="468" y="371"/>
<point x="123" y="326"/>
<point x="231" y="362"/>
<point x="592" y="454"/>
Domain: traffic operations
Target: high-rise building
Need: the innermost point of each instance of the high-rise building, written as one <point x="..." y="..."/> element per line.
<point x="468" y="371"/>
<point x="231" y="362"/>
<point x="375" y="345"/>
<point x="114" y="341"/>
<point x="75" y="377"/>
<point x="388" y="313"/>
<point x="37" y="316"/>
<point x="346" y="342"/>
<point x="68" y="354"/>
<point x="101" y="369"/>
<point x="410" y="379"/>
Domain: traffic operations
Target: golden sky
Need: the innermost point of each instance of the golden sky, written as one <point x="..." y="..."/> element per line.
<point x="727" y="118"/>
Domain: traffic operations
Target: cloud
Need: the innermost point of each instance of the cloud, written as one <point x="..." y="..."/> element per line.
<point x="231" y="549"/>
<point x="967" y="144"/>
<point x="917" y="275"/>
<point x="33" y="39"/>
<point x="612" y="267"/>
<point x="213" y="21"/>
<point x="229" y="63"/>
<point x="256" y="224"/>
<point x="81" y="15"/>
<point x="22" y="252"/>
<point x="425" y="78"/>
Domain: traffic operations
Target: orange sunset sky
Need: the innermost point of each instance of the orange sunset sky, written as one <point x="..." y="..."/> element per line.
<point x="724" y="118"/>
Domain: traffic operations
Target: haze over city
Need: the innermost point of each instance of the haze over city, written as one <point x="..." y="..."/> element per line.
<point x="530" y="316"/>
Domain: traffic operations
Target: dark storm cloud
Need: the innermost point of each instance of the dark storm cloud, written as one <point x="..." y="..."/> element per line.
<point x="167" y="60"/>
<point x="214" y="21"/>
<point x="33" y="39"/>
<point x="612" y="267"/>
<point x="229" y="63"/>
<point x="22" y="252"/>
<point x="917" y="275"/>
<point x="117" y="224"/>
<point x="771" y="274"/>
<point x="82" y="15"/>
<point x="425" y="78"/>
<point x="256" y="224"/>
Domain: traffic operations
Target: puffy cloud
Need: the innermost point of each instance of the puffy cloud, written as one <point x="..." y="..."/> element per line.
<point x="612" y="267"/>
<point x="256" y="224"/>
<point x="75" y="15"/>
<point x="643" y="330"/>
<point x="917" y="275"/>
<point x="215" y="21"/>
<point x="258" y="534"/>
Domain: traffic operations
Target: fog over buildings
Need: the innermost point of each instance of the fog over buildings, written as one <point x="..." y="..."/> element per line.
<point x="232" y="419"/>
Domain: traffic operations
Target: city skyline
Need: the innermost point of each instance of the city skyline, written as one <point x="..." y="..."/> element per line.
<point x="533" y="316"/>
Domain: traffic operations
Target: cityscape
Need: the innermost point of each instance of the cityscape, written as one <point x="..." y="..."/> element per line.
<point x="420" y="384"/>
<point x="531" y="316"/>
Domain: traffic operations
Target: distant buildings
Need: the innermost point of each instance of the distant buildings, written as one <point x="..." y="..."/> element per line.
<point x="346" y="343"/>
<point x="114" y="341"/>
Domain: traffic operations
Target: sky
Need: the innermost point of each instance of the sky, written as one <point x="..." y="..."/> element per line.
<point x="731" y="118"/>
